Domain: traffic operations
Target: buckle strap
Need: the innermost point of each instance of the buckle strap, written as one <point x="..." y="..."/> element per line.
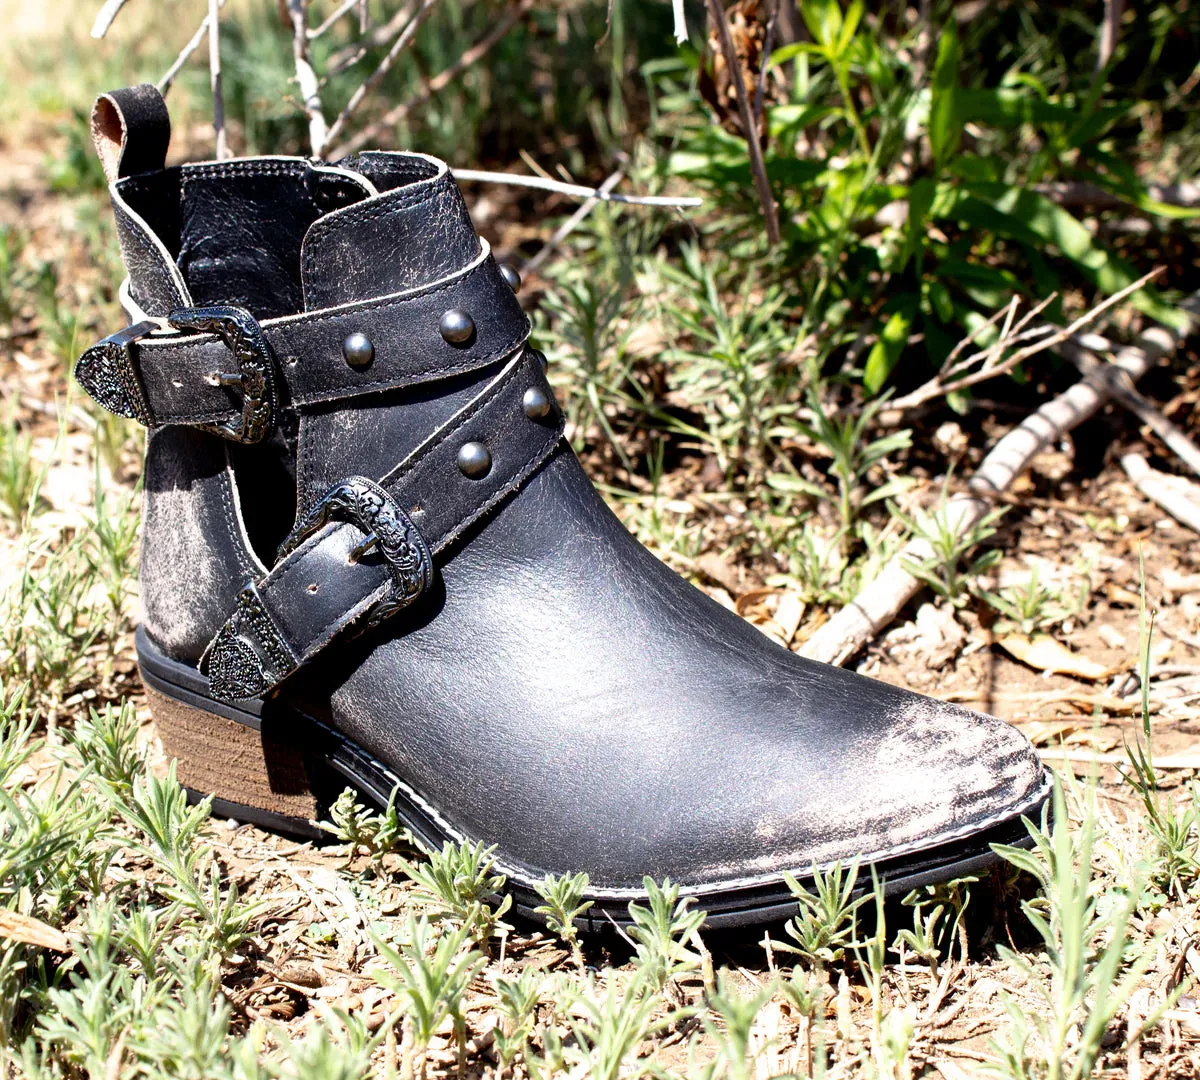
<point x="159" y="379"/>
<point x="367" y="549"/>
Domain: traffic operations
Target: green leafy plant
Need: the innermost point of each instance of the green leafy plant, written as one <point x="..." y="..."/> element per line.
<point x="661" y="931"/>
<point x="457" y="883"/>
<point x="1089" y="967"/>
<point x="943" y="569"/>
<point x="853" y="455"/>
<point x="517" y="1000"/>
<point x="826" y="921"/>
<point x="563" y="904"/>
<point x="362" y="829"/>
<point x="430" y="973"/>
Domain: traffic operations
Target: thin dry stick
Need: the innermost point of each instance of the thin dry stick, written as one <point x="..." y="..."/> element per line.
<point x="105" y="16"/>
<point x="1123" y="392"/>
<point x="577" y="191"/>
<point x="881" y="601"/>
<point x="341" y="10"/>
<point x="757" y="165"/>
<point x="385" y="65"/>
<point x="950" y="378"/>
<point x="306" y="78"/>
<point x="1177" y="496"/>
<point x="214" y="69"/>
<point x="572" y="223"/>
<point x="352" y="54"/>
<point x="164" y="84"/>
<point x="437" y="83"/>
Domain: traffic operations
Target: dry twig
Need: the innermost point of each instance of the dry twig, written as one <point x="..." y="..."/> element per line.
<point x="757" y="166"/>
<point x="1177" y="495"/>
<point x="437" y="83"/>
<point x="402" y="42"/>
<point x="306" y="77"/>
<point x="881" y="601"/>
<point x="164" y="84"/>
<point x="106" y="16"/>
<point x="576" y="191"/>
<point x="214" y="70"/>
<point x="573" y="222"/>
<point x="957" y="374"/>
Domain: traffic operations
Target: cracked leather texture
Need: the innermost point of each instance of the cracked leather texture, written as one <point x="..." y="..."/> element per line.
<point x="559" y="691"/>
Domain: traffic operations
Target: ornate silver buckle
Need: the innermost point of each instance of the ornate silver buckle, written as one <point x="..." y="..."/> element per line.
<point x="366" y="505"/>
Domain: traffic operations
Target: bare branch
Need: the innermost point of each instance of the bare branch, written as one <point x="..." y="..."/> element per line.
<point x="352" y="54"/>
<point x="306" y="78"/>
<point x="437" y="83"/>
<point x="880" y="601"/>
<point x="214" y="69"/>
<point x="958" y="376"/>
<point x="577" y="191"/>
<point x="385" y="65"/>
<point x="757" y="165"/>
<point x="105" y="17"/>
<point x="341" y="10"/>
<point x="573" y="222"/>
<point x="164" y="84"/>
<point x="1177" y="495"/>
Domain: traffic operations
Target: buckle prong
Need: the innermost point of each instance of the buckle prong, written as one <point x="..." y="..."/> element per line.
<point x="256" y="378"/>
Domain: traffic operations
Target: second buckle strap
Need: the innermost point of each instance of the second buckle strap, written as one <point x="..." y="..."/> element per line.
<point x="325" y="584"/>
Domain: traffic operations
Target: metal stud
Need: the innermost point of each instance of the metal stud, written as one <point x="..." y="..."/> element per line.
<point x="457" y="326"/>
<point x="511" y="276"/>
<point x="358" y="350"/>
<point x="474" y="460"/>
<point x="536" y="403"/>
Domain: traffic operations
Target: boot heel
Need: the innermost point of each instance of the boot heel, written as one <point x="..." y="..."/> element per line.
<point x="251" y="778"/>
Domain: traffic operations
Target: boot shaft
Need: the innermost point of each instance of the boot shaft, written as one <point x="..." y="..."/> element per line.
<point x="288" y="238"/>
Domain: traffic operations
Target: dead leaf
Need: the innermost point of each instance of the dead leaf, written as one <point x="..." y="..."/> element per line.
<point x="30" y="931"/>
<point x="1044" y="653"/>
<point x="721" y="570"/>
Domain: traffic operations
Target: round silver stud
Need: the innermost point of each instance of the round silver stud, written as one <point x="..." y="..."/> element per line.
<point x="358" y="350"/>
<point x="457" y="326"/>
<point x="474" y="460"/>
<point x="536" y="403"/>
<point x="511" y="276"/>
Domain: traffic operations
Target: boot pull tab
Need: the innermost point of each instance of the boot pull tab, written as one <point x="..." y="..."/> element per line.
<point x="132" y="130"/>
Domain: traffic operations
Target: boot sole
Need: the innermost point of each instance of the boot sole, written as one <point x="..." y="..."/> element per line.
<point x="280" y="769"/>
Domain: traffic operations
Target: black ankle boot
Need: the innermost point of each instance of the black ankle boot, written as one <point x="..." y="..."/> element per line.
<point x="369" y="557"/>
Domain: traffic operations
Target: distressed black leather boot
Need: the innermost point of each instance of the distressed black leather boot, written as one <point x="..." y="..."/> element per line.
<point x="370" y="558"/>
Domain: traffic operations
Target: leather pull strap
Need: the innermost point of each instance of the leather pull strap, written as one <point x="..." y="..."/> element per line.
<point x="132" y="131"/>
<point x="325" y="586"/>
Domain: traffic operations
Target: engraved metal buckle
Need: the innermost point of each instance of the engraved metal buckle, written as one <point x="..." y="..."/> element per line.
<point x="255" y="376"/>
<point x="366" y="505"/>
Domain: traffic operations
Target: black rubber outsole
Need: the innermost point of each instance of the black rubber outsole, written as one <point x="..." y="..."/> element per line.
<point x="333" y="762"/>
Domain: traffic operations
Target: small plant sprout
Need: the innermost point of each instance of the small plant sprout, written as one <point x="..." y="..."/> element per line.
<point x="457" y="883"/>
<point x="563" y="903"/>
<point x="942" y="569"/>
<point x="1031" y="606"/>
<point x="430" y="974"/>
<point x="1174" y="829"/>
<point x="610" y="1022"/>
<point x="661" y="930"/>
<point x="937" y="920"/>
<point x="730" y="1023"/>
<point x="516" y="1006"/>
<point x="853" y="455"/>
<point x="361" y="829"/>
<point x="826" y="922"/>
